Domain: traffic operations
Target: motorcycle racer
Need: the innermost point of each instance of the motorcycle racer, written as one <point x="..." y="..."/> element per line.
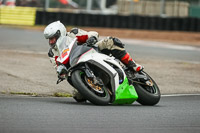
<point x="57" y="34"/>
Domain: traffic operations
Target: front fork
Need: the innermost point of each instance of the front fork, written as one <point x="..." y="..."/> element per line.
<point x="90" y="74"/>
<point x="87" y="71"/>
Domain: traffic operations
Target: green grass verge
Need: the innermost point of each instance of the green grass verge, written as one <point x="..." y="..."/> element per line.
<point x="62" y="94"/>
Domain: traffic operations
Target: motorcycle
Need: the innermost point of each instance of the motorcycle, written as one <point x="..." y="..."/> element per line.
<point x="103" y="80"/>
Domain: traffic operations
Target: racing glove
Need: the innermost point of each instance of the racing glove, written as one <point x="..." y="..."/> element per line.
<point x="91" y="41"/>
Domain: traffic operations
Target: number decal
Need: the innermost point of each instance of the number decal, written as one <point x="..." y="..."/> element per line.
<point x="64" y="53"/>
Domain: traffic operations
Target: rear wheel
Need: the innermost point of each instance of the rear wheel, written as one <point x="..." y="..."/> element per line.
<point x="148" y="95"/>
<point x="95" y="93"/>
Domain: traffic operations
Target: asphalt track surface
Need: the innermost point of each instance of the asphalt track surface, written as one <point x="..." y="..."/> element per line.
<point x="27" y="40"/>
<point x="64" y="115"/>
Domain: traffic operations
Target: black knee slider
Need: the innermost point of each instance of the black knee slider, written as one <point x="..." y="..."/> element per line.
<point x="118" y="43"/>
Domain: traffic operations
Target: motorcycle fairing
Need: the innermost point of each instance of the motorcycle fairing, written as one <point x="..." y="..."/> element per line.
<point x="99" y="58"/>
<point x="124" y="93"/>
<point x="76" y="52"/>
<point x="64" y="51"/>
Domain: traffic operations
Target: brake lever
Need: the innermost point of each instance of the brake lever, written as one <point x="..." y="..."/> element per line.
<point x="59" y="80"/>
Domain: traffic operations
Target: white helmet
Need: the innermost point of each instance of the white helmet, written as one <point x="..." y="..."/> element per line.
<point x="54" y="31"/>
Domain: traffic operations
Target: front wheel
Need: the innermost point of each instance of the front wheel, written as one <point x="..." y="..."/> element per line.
<point x="147" y="95"/>
<point x="96" y="94"/>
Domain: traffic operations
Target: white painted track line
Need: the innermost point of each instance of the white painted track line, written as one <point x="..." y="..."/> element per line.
<point x="178" y="95"/>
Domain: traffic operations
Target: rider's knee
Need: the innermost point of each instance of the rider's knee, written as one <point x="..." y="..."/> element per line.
<point x="118" y="43"/>
<point x="106" y="43"/>
<point x="110" y="43"/>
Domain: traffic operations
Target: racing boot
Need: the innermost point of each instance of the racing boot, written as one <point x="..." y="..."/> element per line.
<point x="130" y="63"/>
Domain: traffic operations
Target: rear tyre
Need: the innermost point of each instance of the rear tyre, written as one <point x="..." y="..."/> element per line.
<point x="147" y="95"/>
<point x="87" y="89"/>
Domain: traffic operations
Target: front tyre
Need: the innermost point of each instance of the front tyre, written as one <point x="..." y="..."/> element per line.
<point x="147" y="95"/>
<point x="95" y="94"/>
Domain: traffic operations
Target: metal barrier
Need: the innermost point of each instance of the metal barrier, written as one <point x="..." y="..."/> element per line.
<point x="17" y="15"/>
